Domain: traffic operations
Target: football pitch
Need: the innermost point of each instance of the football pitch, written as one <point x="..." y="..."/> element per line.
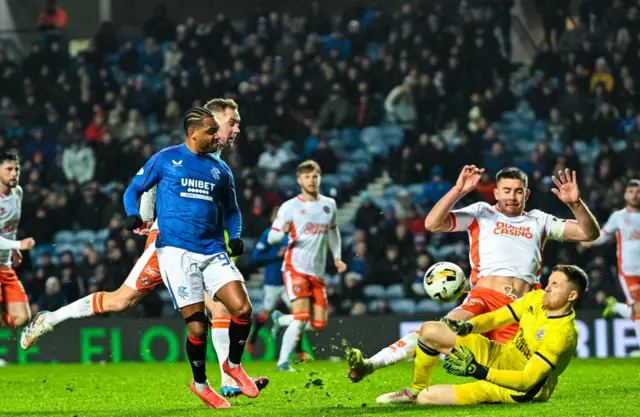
<point x="587" y="388"/>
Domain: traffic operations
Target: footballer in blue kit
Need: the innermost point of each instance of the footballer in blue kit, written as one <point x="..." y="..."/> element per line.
<point x="195" y="202"/>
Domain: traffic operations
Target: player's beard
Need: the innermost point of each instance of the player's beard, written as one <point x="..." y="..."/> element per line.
<point x="510" y="208"/>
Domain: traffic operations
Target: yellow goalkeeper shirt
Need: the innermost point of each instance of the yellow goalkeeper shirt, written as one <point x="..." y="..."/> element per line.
<point x="541" y="350"/>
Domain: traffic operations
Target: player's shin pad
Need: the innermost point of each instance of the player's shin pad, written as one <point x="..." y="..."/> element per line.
<point x="423" y="366"/>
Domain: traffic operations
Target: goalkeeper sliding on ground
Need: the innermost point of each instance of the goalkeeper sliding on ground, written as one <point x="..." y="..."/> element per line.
<point x="525" y="369"/>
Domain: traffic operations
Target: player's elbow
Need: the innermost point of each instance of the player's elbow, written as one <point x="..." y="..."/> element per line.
<point x="593" y="235"/>
<point x="432" y="226"/>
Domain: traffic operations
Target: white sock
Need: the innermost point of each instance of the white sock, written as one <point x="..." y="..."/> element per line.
<point x="78" y="309"/>
<point x="404" y="348"/>
<point x="220" y="338"/>
<point x="201" y="386"/>
<point x="637" y="323"/>
<point x="289" y="340"/>
<point x="285" y="320"/>
<point x="622" y="310"/>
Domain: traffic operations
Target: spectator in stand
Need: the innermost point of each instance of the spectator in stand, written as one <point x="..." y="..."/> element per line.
<point x="273" y="158"/>
<point x="53" y="17"/>
<point x="78" y="162"/>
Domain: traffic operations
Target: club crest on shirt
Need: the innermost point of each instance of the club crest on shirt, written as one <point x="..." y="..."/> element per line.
<point x="215" y="172"/>
<point x="539" y="334"/>
<point x="326" y="209"/>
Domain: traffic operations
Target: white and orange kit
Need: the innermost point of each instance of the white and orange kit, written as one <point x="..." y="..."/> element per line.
<point x="313" y="230"/>
<point x="624" y="225"/>
<point x="503" y="246"/>
<point x="11" y="290"/>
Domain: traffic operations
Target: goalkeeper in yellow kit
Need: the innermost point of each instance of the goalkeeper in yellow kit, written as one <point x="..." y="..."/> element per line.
<point x="523" y="370"/>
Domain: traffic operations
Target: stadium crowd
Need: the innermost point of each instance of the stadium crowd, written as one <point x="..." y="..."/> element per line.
<point x="83" y="125"/>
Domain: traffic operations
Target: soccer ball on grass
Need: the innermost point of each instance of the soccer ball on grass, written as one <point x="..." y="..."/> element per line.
<point x="444" y="282"/>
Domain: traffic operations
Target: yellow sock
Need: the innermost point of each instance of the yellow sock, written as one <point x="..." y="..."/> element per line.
<point x="423" y="367"/>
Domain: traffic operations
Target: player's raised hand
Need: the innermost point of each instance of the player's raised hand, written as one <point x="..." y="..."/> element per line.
<point x="468" y="178"/>
<point x="27" y="244"/>
<point x="340" y="266"/>
<point x="567" y="187"/>
<point x="286" y="227"/>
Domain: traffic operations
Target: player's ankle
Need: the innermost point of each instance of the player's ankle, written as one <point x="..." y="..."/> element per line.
<point x="231" y="364"/>
<point x="201" y="386"/>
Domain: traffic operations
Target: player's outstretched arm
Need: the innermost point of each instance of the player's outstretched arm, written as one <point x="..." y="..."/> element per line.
<point x="438" y="219"/>
<point x="585" y="227"/>
<point x="9" y="244"/>
<point x="496" y="319"/>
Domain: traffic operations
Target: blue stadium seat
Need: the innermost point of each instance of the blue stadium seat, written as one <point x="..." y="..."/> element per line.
<point x="85" y="236"/>
<point x="392" y="191"/>
<point x="102" y="234"/>
<point x="395" y="291"/>
<point x="371" y="135"/>
<point x="403" y="306"/>
<point x="373" y="307"/>
<point x="427" y="305"/>
<point x="374" y="291"/>
<point x="62" y="237"/>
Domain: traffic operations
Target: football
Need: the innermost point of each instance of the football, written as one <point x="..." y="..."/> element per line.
<point x="444" y="282"/>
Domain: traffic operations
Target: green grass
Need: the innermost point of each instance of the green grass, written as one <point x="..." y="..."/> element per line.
<point x="587" y="388"/>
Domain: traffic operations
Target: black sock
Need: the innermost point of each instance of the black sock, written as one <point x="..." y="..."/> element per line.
<point x="238" y="332"/>
<point x="197" y="354"/>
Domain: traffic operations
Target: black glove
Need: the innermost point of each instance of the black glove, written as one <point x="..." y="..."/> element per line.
<point x="132" y="222"/>
<point x="459" y="327"/>
<point x="236" y="247"/>
<point x="462" y="362"/>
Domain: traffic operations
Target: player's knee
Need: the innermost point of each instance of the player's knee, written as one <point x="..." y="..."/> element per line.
<point x="197" y="325"/>
<point x="301" y="317"/>
<point x="243" y="312"/>
<point x="318" y="325"/>
<point x="431" y="332"/>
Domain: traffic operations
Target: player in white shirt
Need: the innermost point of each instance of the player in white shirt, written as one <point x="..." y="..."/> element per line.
<point x="624" y="226"/>
<point x="506" y="244"/>
<point x="14" y="303"/>
<point x="310" y="221"/>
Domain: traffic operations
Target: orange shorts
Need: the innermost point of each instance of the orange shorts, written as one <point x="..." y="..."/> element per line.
<point x="11" y="290"/>
<point x="299" y="285"/>
<point x="484" y="300"/>
<point x="145" y="274"/>
<point x="631" y="287"/>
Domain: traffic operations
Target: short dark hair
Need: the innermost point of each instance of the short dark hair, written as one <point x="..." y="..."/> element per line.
<point x="193" y="117"/>
<point x="309" y="166"/>
<point x="8" y="157"/>
<point x="514" y="174"/>
<point x="633" y="183"/>
<point x="575" y="275"/>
